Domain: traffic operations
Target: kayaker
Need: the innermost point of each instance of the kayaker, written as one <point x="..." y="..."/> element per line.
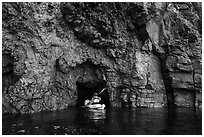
<point x="86" y="102"/>
<point x="95" y="99"/>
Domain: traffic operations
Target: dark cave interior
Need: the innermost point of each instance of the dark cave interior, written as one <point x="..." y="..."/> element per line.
<point x="86" y="91"/>
<point x="91" y="80"/>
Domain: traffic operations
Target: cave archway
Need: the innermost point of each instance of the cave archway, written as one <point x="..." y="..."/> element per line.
<point x="91" y="81"/>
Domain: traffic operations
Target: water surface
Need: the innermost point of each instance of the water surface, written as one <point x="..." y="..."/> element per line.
<point x="113" y="121"/>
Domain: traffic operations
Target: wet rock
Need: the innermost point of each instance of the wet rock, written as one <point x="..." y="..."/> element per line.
<point x="148" y="98"/>
<point x="198" y="100"/>
<point x="133" y="100"/>
<point x="198" y="80"/>
<point x="124" y="98"/>
<point x="184" y="99"/>
<point x="182" y="80"/>
<point x="185" y="68"/>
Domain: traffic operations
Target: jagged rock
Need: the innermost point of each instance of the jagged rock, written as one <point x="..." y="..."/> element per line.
<point x="143" y="52"/>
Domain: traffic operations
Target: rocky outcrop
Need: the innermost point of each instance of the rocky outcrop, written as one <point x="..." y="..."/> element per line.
<point x="147" y="54"/>
<point x="178" y="36"/>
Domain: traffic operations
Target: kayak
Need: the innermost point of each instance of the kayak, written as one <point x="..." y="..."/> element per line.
<point x="96" y="106"/>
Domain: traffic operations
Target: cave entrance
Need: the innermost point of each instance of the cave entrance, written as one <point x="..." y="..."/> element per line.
<point x="92" y="79"/>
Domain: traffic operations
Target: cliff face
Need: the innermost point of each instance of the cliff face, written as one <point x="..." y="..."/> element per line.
<point x="55" y="55"/>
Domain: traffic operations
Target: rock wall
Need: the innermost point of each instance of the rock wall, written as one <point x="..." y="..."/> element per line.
<point x="176" y="32"/>
<point x="148" y="54"/>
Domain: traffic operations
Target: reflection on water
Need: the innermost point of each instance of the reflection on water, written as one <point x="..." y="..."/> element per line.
<point x="115" y="121"/>
<point x="95" y="114"/>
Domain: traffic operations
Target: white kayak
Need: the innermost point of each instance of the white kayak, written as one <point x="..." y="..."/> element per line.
<point x="96" y="106"/>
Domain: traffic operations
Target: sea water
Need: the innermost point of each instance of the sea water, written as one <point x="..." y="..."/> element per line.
<point x="112" y="121"/>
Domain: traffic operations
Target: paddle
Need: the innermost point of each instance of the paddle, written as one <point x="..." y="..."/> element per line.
<point x="102" y="91"/>
<point x="91" y="101"/>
